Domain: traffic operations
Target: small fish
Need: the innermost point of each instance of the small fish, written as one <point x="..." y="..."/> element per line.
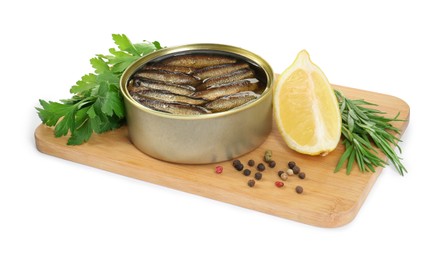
<point x="197" y="60"/>
<point x="226" y="78"/>
<point x="218" y="91"/>
<point x="168" y="76"/>
<point x="218" y="70"/>
<point x="172" y="108"/>
<point x="168" y="97"/>
<point x="140" y="84"/>
<point x="157" y="66"/>
<point x="231" y="101"/>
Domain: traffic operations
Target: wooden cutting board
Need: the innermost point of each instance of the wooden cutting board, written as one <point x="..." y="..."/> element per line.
<point x="329" y="199"/>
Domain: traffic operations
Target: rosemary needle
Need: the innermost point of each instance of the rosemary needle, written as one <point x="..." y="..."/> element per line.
<point x="366" y="131"/>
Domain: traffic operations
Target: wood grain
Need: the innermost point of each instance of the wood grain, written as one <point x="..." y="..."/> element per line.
<point x="329" y="199"/>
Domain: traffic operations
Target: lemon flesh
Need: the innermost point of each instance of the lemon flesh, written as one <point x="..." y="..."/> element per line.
<point x="306" y="109"/>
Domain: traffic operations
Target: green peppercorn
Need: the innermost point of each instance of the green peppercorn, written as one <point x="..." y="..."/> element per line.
<point x="258" y="176"/>
<point x="247" y="172"/>
<point x="268" y="156"/>
<point x="251" y="183"/>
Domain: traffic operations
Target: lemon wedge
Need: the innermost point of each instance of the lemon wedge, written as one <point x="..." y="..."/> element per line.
<point x="306" y="109"/>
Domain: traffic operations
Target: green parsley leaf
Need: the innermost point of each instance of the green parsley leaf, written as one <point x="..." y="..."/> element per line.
<point x="124" y="44"/>
<point x="86" y="83"/>
<point x="113" y="104"/>
<point x="51" y="112"/>
<point x="97" y="105"/>
<point x="81" y="135"/>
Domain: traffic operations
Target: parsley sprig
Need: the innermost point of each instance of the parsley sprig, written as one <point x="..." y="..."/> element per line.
<point x="365" y="131"/>
<point x="96" y="104"/>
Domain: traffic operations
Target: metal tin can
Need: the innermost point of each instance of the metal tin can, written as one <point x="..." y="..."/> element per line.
<point x="205" y="138"/>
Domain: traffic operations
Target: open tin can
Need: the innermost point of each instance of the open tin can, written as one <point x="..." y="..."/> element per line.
<point x="200" y="139"/>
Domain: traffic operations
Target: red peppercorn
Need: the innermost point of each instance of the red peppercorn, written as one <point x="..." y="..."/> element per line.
<point x="279" y="184"/>
<point x="219" y="169"/>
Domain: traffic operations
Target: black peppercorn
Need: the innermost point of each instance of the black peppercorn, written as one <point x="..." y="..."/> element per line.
<point x="272" y="164"/>
<point x="291" y="164"/>
<point x="251" y="183"/>
<point x="235" y="162"/>
<point x="301" y="175"/>
<point x="247" y="172"/>
<point x="296" y="169"/>
<point x="280" y="173"/>
<point x="261" y="167"/>
<point x="251" y="162"/>
<point x="258" y="176"/>
<point x="299" y="189"/>
<point x="239" y="167"/>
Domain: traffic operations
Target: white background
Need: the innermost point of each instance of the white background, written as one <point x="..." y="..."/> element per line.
<point x="55" y="209"/>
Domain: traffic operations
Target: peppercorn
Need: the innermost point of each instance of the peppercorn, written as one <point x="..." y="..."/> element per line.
<point x="279" y="184"/>
<point x="301" y="175"/>
<point x="268" y="156"/>
<point x="289" y="172"/>
<point x="291" y="164"/>
<point x="251" y="183"/>
<point x="235" y="162"/>
<point x="239" y="167"/>
<point x="218" y="169"/>
<point x="272" y="164"/>
<point x="251" y="163"/>
<point x="279" y="173"/>
<point x="261" y="167"/>
<point x="284" y="176"/>
<point x="247" y="172"/>
<point x="296" y="169"/>
<point x="258" y="176"/>
<point x="299" y="189"/>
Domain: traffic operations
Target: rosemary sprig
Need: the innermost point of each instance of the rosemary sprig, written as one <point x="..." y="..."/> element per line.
<point x="364" y="131"/>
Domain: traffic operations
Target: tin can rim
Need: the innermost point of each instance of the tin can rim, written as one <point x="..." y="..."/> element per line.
<point x="263" y="64"/>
